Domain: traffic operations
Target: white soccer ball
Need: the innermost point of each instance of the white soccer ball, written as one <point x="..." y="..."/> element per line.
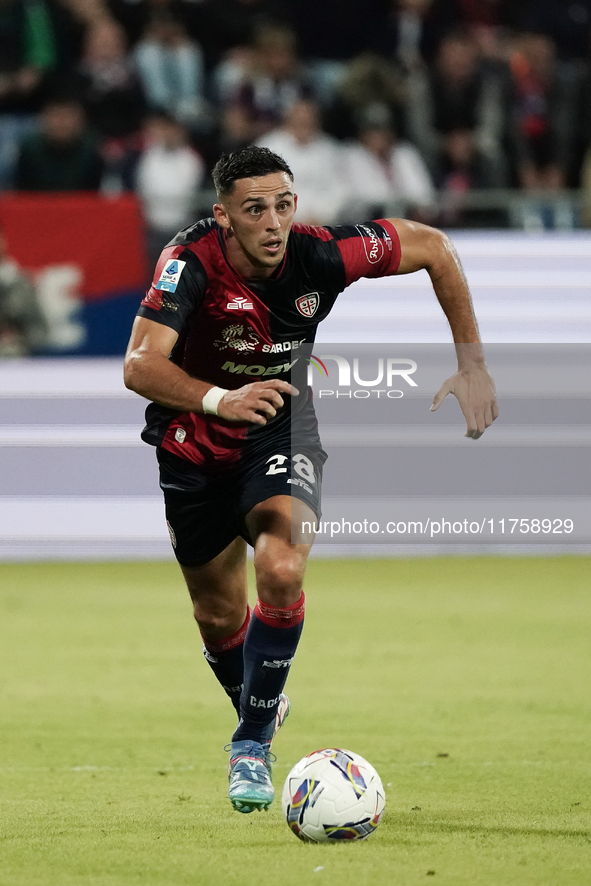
<point x="333" y="795"/>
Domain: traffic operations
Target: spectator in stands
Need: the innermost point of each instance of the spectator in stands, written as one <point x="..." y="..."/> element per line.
<point x="414" y="29"/>
<point x="316" y="160"/>
<point x="168" y="176"/>
<point x="566" y="23"/>
<point x="274" y="82"/>
<point x="459" y="106"/>
<point x="68" y="28"/>
<point x="382" y="171"/>
<point x="136" y="15"/>
<point x="170" y="64"/>
<point x="23" y="329"/>
<point x="88" y="12"/>
<point x="581" y="170"/>
<point x="234" y="131"/>
<point x="586" y="190"/>
<point x="544" y="96"/>
<point x="230" y="26"/>
<point x="484" y="20"/>
<point x="462" y="171"/>
<point x="368" y="80"/>
<point x="331" y="33"/>
<point x="109" y="86"/>
<point x="63" y="155"/>
<point x="27" y="50"/>
<point x="27" y="54"/>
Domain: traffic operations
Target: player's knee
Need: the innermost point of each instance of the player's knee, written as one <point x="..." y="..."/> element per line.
<point x="215" y="623"/>
<point x="279" y="579"/>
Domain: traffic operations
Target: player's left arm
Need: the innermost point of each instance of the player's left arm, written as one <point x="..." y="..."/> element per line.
<point x="423" y="247"/>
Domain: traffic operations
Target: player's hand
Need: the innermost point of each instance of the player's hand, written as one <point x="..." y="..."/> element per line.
<point x="475" y="392"/>
<point x="256" y="403"/>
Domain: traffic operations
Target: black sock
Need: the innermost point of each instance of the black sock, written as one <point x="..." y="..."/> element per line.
<point x="226" y="659"/>
<point x="269" y="648"/>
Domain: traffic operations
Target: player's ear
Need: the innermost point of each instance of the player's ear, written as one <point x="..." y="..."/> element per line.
<point x="221" y="216"/>
<point x="295" y="202"/>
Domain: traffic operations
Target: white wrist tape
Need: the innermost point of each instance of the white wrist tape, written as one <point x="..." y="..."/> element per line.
<point x="210" y="402"/>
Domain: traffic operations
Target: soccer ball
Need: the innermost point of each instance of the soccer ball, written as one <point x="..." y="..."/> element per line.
<point x="333" y="795"/>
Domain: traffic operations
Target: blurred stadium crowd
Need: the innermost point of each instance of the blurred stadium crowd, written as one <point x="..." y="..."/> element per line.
<point x="376" y="104"/>
<point x="368" y="99"/>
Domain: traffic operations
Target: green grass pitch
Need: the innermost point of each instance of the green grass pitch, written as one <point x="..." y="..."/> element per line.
<point x="466" y="682"/>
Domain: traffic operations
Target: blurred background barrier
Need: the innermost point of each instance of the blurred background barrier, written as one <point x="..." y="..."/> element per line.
<point x="526" y="288"/>
<point x="475" y="208"/>
<point x="85" y="254"/>
<point x="78" y="483"/>
<point x="89" y="272"/>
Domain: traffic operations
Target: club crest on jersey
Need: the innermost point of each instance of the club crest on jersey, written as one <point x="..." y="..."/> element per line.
<point x="171" y="275"/>
<point x="239" y="303"/>
<point x="308" y="304"/>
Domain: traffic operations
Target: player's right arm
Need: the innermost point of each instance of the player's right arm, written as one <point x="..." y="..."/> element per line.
<point x="149" y="372"/>
<point x="423" y="247"/>
<point x="409" y="247"/>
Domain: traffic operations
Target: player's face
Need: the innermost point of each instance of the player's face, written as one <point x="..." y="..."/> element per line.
<point x="258" y="215"/>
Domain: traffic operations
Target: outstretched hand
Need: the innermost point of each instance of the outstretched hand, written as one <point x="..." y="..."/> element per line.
<point x="256" y="403"/>
<point x="475" y="392"/>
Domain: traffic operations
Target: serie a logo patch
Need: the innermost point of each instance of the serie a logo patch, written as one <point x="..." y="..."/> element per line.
<point x="171" y="274"/>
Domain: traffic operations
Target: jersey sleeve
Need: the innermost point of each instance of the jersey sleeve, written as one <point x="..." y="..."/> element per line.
<point x="371" y="249"/>
<point x="177" y="289"/>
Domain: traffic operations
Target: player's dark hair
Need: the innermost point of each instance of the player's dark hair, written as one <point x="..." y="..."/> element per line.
<point x="249" y="162"/>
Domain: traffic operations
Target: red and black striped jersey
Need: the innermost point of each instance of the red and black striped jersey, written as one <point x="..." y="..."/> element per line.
<point x="233" y="331"/>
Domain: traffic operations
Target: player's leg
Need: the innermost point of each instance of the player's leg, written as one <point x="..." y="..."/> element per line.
<point x="219" y="594"/>
<point x="205" y="533"/>
<point x="277" y="621"/>
<point x="269" y="647"/>
<point x="276" y="491"/>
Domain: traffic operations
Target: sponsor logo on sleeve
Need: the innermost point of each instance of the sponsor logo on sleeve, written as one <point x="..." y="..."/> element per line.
<point x="374" y="247"/>
<point x="171" y="274"/>
<point x="307" y="304"/>
<point x="153" y="300"/>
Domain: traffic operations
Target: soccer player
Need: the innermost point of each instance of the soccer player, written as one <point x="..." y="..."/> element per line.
<point x="233" y="299"/>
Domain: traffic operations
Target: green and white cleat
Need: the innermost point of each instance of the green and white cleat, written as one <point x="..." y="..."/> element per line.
<point x="250" y="771"/>
<point x="251" y="787"/>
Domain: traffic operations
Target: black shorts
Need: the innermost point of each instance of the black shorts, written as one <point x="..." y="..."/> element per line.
<point x="205" y="508"/>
